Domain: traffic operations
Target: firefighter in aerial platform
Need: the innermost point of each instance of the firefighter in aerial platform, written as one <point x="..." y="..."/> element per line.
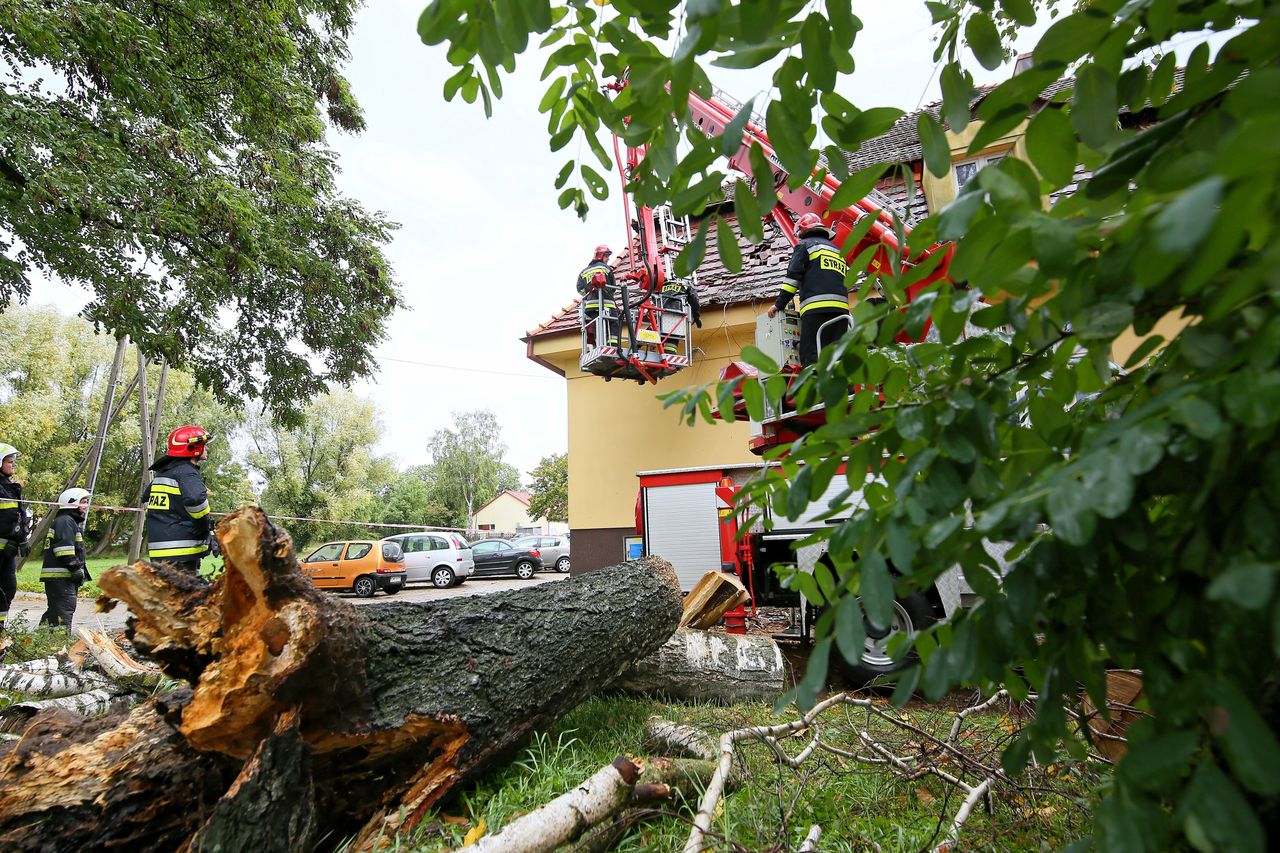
<point x="815" y="277"/>
<point x="673" y="296"/>
<point x="599" y="294"/>
<point x="178" y="502"/>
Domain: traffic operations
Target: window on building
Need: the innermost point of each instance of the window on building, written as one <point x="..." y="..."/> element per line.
<point x="965" y="170"/>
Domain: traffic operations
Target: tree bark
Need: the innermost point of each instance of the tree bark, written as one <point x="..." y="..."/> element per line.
<point x="396" y="703"/>
<point x="710" y="666"/>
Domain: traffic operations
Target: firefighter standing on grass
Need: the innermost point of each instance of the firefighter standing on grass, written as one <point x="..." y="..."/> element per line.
<point x="64" y="568"/>
<point x="815" y="277"/>
<point x="178" y="502"/>
<point x="13" y="529"/>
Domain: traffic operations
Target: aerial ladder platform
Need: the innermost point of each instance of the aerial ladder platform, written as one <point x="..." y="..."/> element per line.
<point x="653" y="338"/>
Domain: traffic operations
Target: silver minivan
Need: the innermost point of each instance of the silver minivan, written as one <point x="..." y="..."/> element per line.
<point x="439" y="557"/>
<point x="555" y="549"/>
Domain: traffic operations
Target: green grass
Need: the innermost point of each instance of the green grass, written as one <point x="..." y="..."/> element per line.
<point x="29" y="577"/>
<point x="857" y="806"/>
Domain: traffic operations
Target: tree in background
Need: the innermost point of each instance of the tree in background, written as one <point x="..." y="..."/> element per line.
<point x="170" y="158"/>
<point x="412" y="499"/>
<point x="549" y="492"/>
<point x="468" y="463"/>
<point x="52" y="386"/>
<point x="325" y="467"/>
<point x="1141" y="503"/>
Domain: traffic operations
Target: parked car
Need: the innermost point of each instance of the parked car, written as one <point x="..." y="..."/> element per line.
<point x="500" y="557"/>
<point x="442" y="558"/>
<point x="554" y="549"/>
<point x="362" y="566"/>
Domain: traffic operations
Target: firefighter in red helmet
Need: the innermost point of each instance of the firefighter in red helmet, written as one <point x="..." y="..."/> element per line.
<point x="178" y="502"/>
<point x="599" y="293"/>
<point x="815" y="277"/>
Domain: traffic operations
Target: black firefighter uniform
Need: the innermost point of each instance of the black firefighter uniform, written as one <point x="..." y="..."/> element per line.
<point x="177" y="514"/>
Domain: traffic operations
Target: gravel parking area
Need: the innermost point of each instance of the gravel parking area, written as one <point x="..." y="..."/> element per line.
<point x="30" y="605"/>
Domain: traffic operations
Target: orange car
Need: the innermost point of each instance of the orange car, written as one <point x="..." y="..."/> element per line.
<point x="364" y="567"/>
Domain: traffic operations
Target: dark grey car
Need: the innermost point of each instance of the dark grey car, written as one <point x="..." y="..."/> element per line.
<point x="500" y="557"/>
<point x="554" y="550"/>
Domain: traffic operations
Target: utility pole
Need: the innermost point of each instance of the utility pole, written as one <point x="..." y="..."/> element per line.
<point x="104" y="419"/>
<point x="144" y="433"/>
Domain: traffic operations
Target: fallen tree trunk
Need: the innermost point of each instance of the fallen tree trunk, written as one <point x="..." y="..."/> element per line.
<point x="711" y="667"/>
<point x="395" y="703"/>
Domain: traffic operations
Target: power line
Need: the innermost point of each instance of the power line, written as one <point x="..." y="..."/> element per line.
<point x="465" y="369"/>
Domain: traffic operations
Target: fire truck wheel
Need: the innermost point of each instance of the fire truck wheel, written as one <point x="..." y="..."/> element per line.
<point x="913" y="613"/>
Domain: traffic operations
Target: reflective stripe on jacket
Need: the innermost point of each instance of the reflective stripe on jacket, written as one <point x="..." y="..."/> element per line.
<point x="63" y="547"/>
<point x="588" y="274"/>
<point x="177" y="512"/>
<point x="816" y="273"/>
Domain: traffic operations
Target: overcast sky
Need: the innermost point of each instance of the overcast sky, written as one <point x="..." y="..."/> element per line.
<point x="483" y="253"/>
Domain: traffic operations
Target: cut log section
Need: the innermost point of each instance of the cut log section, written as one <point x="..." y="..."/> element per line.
<point x="711" y="667"/>
<point x="669" y="738"/>
<point x="1124" y="692"/>
<point x="715" y="595"/>
<point x="396" y="703"/>
<point x="117" y="665"/>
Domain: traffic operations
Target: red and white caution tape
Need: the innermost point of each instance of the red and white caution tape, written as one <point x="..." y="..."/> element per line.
<point x="274" y="518"/>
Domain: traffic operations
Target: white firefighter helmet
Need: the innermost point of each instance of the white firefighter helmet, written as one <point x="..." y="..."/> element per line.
<point x="7" y="450"/>
<point x="70" y="499"/>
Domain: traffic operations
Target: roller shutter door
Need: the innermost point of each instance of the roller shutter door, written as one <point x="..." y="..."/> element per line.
<point x="681" y="527"/>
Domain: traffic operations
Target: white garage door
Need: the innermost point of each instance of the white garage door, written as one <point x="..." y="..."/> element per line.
<point x="681" y="527"/>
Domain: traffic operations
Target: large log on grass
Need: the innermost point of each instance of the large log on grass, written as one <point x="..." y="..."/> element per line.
<point x="710" y="666"/>
<point x="384" y="708"/>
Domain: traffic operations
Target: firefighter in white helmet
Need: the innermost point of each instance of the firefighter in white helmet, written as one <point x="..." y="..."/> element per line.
<point x="13" y="529"/>
<point x="64" y="567"/>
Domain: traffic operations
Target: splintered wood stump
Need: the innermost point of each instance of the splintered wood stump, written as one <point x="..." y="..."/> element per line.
<point x="369" y="714"/>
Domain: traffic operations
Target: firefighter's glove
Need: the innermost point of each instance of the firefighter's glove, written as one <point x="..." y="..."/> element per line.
<point x="215" y="549"/>
<point x="24" y="550"/>
<point x="698" y="322"/>
<point x="78" y="576"/>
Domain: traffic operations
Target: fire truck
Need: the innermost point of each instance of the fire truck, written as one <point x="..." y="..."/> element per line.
<point x="686" y="515"/>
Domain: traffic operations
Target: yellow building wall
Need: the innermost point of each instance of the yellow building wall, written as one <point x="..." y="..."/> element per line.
<point x="505" y="513"/>
<point x="618" y="428"/>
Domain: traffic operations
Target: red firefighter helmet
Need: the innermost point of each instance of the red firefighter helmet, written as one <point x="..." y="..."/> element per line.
<point x="188" y="441"/>
<point x="811" y="222"/>
<point x="602" y="252"/>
